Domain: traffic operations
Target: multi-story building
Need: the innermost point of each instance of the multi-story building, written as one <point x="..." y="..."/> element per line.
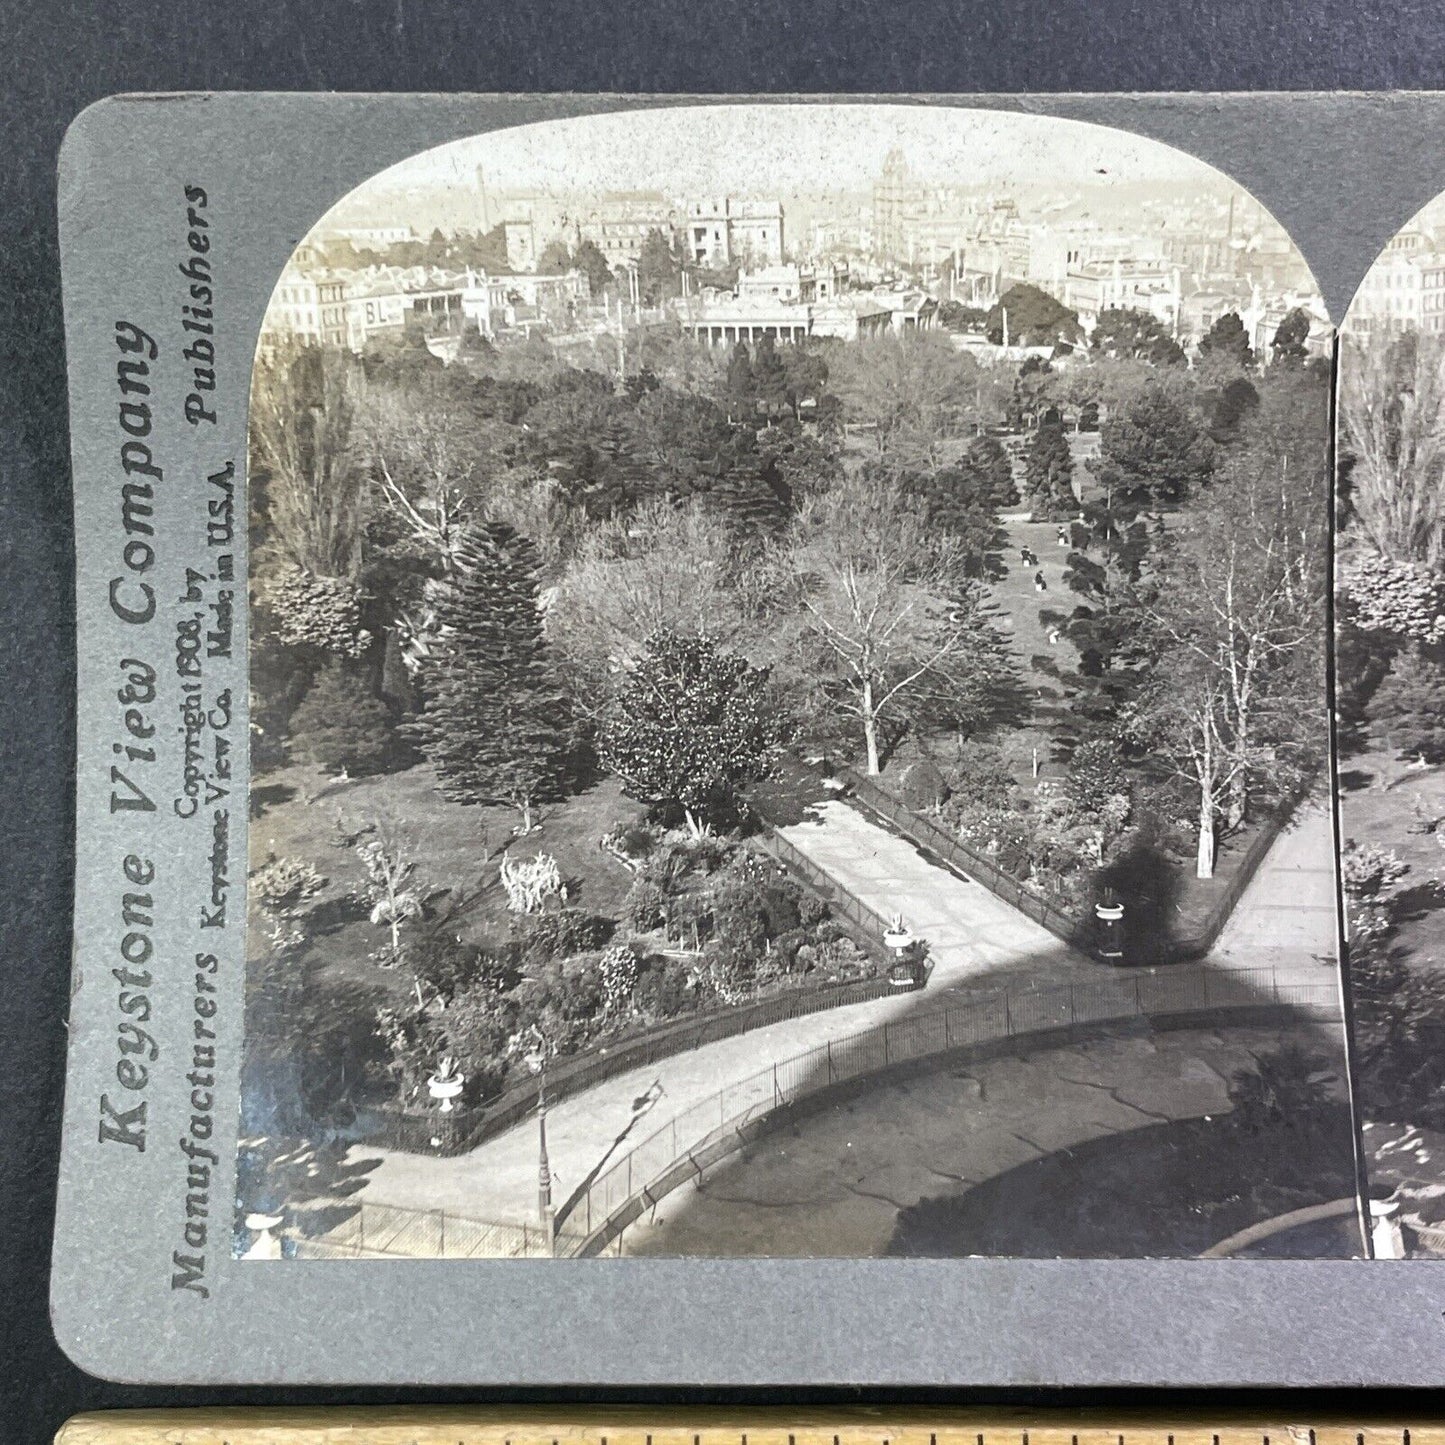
<point x="1055" y="252"/>
<point x="311" y="306"/>
<point x="1403" y="291"/>
<point x="898" y="201"/>
<point x="1140" y="285"/>
<point x="725" y="229"/>
<point x="621" y="222"/>
<point x="790" y="282"/>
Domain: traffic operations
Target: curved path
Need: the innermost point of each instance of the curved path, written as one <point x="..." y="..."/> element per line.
<point x="978" y="944"/>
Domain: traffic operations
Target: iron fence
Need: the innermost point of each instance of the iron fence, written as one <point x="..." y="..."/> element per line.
<point x="707" y="1131"/>
<point x="1071" y="925"/>
<point x="372" y="1230"/>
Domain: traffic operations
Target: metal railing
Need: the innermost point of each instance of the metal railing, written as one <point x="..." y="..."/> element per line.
<point x="1071" y="925"/>
<point x="714" y="1127"/>
<point x="428" y="1131"/>
<point x="373" y="1230"/>
<point x="1068" y="925"/>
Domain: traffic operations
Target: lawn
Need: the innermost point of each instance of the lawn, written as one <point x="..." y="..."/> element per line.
<point x="458" y="849"/>
<point x="1392" y="804"/>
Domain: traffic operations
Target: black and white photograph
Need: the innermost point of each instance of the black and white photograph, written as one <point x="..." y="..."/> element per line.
<point x="1390" y="700"/>
<point x="788" y="704"/>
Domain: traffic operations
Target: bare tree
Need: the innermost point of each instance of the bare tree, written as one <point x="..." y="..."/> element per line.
<point x="1239" y="621"/>
<point x="663" y="568"/>
<point x="302" y="437"/>
<point x="871" y="582"/>
<point x="1390" y="403"/>
<point x="425" y="463"/>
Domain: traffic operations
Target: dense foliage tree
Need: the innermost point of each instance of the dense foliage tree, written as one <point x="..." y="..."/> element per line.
<point x="494" y="721"/>
<point x="1049" y="474"/>
<point x="1154" y="450"/>
<point x="1237" y="398"/>
<point x="590" y="261"/>
<point x="659" y="268"/>
<point x="1409" y="706"/>
<point x="555" y="258"/>
<point x="341" y="727"/>
<point x="1227" y="341"/>
<point x="1290" y="338"/>
<point x="1031" y="317"/>
<point x="690" y="727"/>
<point x="742" y="396"/>
<point x="987" y="474"/>
<point x="771" y="389"/>
<point x="1126" y="333"/>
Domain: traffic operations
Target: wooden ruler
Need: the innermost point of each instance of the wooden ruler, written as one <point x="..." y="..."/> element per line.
<point x="580" y="1425"/>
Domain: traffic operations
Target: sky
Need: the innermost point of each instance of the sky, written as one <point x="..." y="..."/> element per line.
<point x="777" y="148"/>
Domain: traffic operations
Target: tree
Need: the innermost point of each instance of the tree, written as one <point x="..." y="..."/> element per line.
<point x="691" y="726"/>
<point x="665" y="569"/>
<point x="311" y="483"/>
<point x="987" y="474"/>
<point x="1227" y="341"/>
<point x="1154" y="450"/>
<point x="742" y="396"/>
<point x="1410" y="706"/>
<point x="494" y="720"/>
<point x="1237" y="398"/>
<point x="1240" y="620"/>
<point x="1031" y="317"/>
<point x="659" y="268"/>
<point x="1124" y="333"/>
<point x="806" y="375"/>
<point x="1291" y="336"/>
<point x="951" y="502"/>
<point x="871" y="581"/>
<point x="770" y="380"/>
<point x="590" y="261"/>
<point x="555" y="259"/>
<point x="388" y="854"/>
<point x="1049" y="473"/>
<point x="910" y="383"/>
<point x="340" y="727"/>
<point x="1391" y="406"/>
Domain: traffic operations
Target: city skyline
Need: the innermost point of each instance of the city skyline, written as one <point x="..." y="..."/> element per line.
<point x="799" y="155"/>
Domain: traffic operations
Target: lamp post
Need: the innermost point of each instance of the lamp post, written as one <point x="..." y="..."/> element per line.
<point x="536" y="1060"/>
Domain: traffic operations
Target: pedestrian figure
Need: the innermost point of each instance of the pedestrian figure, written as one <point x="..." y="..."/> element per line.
<point x="1054" y="637"/>
<point x="1063" y="536"/>
<point x="1024" y="555"/>
<point x="1039" y="584"/>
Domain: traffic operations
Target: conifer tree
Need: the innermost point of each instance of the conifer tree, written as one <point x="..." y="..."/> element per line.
<point x="494" y="721"/>
<point x="1154" y="451"/>
<point x="1228" y="340"/>
<point x="988" y="474"/>
<point x="770" y="380"/>
<point x="742" y="397"/>
<point x="1410" y="706"/>
<point x="1048" y="474"/>
<point x="340" y="726"/>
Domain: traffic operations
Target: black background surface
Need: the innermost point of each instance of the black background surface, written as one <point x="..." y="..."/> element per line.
<point x="56" y="58"/>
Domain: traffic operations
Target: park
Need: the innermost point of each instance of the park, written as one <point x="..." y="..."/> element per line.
<point x="624" y="734"/>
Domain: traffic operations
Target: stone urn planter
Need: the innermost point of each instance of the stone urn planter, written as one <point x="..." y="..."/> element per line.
<point x="267" y="1244"/>
<point x="446" y="1085"/>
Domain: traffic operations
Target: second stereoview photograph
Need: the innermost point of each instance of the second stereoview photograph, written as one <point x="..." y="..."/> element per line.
<point x="789" y="706"/>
